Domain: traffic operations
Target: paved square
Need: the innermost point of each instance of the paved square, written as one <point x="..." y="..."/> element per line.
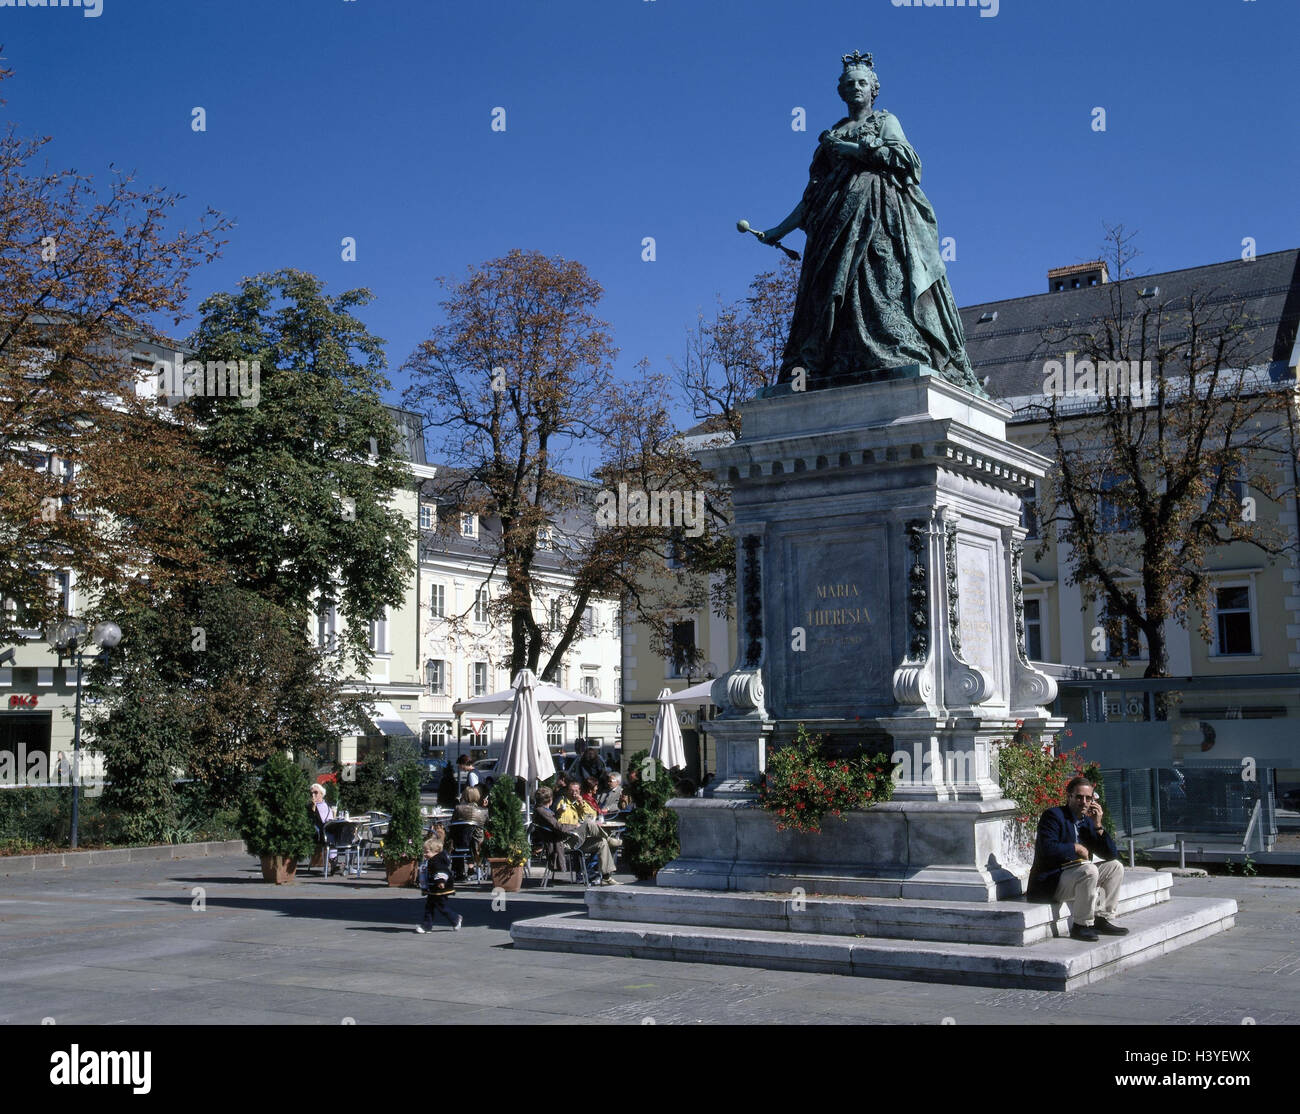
<point x="206" y="941"/>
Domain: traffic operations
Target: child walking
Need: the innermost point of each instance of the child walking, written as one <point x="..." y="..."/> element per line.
<point x="436" y="885"/>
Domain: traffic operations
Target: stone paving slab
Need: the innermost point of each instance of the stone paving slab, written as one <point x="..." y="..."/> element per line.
<point x="353" y="946"/>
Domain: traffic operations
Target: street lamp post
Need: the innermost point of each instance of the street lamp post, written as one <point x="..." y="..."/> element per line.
<point x="70" y="639"/>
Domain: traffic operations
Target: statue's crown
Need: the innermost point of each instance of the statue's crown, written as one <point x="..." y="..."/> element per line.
<point x="856" y="60"/>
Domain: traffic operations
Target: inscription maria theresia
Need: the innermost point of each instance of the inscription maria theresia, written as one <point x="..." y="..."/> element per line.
<point x="853" y="609"/>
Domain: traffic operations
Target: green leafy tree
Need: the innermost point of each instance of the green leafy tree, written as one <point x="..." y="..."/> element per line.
<point x="367" y="789"/>
<point x="223" y="679"/>
<point x="650" y="839"/>
<point x="303" y="510"/>
<point x="274" y="818"/>
<point x="144" y="751"/>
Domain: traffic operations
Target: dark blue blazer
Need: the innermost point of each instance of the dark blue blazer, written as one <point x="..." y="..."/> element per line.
<point x="1055" y="847"/>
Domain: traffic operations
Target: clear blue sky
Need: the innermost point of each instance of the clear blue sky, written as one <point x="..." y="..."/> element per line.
<point x="671" y="119"/>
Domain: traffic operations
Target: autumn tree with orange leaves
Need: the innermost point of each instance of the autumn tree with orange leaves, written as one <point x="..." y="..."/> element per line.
<point x="91" y="479"/>
<point x="517" y="382"/>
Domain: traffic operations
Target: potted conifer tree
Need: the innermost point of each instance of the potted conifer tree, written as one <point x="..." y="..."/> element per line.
<point x="506" y="841"/>
<point x="275" y="819"/>
<point x="650" y="838"/>
<point x="404" y="843"/>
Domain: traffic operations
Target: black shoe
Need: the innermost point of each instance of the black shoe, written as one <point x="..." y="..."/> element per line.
<point x="1083" y="932"/>
<point x="1104" y="926"/>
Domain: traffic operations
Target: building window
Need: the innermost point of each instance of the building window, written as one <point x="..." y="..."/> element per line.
<point x="1233" y="496"/>
<point x="378" y="640"/>
<point x="557" y="619"/>
<point x="545" y="538"/>
<point x="435" y="735"/>
<point x="435" y="675"/>
<point x="478" y="681"/>
<point x="1233" y="619"/>
<point x="1123" y="639"/>
<point x="673" y="553"/>
<point x="63" y="586"/>
<point x="1029" y="512"/>
<point x="481" y="606"/>
<point x="590" y="686"/>
<point x="1113" y="515"/>
<point x="683" y="647"/>
<point x="1034" y="630"/>
<point x="428" y="516"/>
<point x="327" y="623"/>
<point x="555" y="735"/>
<point x="588" y="622"/>
<point x="438" y="601"/>
<point x="468" y="525"/>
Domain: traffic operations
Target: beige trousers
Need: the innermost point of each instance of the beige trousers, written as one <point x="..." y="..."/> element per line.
<point x="1091" y="889"/>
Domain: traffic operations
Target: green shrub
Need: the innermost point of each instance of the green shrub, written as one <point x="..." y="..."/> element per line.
<point x="405" y="839"/>
<point x="367" y="790"/>
<point x="506" y="836"/>
<point x="802" y="785"/>
<point x="1032" y="773"/>
<point x="650" y="839"/>
<point x="39" y="818"/>
<point x="274" y="817"/>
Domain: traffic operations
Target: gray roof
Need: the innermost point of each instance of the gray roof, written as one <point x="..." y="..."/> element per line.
<point x="569" y="525"/>
<point x="1012" y="349"/>
<point x="410" y="428"/>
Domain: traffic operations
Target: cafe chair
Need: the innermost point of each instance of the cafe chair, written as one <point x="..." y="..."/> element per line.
<point x="345" y="838"/>
<point x="462" y="852"/>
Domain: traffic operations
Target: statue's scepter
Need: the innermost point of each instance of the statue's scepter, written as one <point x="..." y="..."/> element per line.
<point x="743" y="226"/>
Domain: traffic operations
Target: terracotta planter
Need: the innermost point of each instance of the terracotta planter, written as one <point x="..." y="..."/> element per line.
<point x="278" y="869"/>
<point x="506" y="877"/>
<point x="400" y="874"/>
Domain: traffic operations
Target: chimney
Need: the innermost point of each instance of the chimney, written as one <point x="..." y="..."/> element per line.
<point x="1077" y="276"/>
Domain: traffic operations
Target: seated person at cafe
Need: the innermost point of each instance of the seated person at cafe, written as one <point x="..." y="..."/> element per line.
<point x="1076" y="861"/>
<point x="470" y="811"/>
<point x="589" y="789"/>
<point x="575" y="817"/>
<point x="611" y="793"/>
<point x="320" y="814"/>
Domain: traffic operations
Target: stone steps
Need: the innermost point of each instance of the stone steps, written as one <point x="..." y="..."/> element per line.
<point x="1005" y="923"/>
<point x="1053" y="964"/>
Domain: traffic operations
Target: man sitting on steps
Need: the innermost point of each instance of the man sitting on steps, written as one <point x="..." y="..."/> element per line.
<point x="1076" y="861"/>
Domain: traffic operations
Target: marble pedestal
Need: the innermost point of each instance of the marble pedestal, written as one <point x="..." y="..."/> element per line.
<point x="878" y="547"/>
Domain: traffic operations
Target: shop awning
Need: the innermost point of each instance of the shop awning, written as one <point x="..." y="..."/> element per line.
<point x="388" y="722"/>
